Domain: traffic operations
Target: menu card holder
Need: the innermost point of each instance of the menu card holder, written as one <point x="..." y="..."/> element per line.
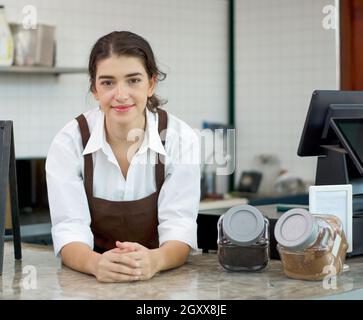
<point x="8" y="178"/>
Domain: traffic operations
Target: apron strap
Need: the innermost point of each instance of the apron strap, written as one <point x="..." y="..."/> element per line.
<point x="160" y="164"/>
<point x="88" y="162"/>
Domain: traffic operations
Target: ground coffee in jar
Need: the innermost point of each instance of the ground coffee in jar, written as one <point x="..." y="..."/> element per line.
<point x="243" y="239"/>
<point x="311" y="247"/>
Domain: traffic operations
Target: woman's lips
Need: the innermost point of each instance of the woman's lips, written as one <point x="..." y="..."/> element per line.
<point x="123" y="108"/>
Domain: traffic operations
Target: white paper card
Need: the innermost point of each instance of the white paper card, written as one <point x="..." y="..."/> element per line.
<point x="335" y="200"/>
<point x="336" y="245"/>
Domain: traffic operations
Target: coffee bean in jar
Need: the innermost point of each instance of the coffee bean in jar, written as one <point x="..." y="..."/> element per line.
<point x="243" y="239"/>
<point x="311" y="246"/>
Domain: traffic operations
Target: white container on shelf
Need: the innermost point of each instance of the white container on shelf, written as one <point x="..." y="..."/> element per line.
<point x="6" y="41"/>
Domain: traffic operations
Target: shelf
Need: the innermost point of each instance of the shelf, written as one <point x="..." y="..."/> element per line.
<point x="41" y="70"/>
<point x="221" y="204"/>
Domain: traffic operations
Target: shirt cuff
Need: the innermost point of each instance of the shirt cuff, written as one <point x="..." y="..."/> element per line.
<point x="186" y="234"/>
<point x="62" y="237"/>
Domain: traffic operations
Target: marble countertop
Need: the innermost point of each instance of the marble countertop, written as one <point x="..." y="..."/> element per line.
<point x="41" y="276"/>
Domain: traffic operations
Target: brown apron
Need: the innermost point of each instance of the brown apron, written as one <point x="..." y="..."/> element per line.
<point x="135" y="220"/>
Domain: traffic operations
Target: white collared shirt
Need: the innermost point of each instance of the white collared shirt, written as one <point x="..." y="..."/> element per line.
<point x="179" y="196"/>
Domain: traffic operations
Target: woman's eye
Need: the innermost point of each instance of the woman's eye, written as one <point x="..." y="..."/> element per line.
<point x="134" y="81"/>
<point x="106" y="83"/>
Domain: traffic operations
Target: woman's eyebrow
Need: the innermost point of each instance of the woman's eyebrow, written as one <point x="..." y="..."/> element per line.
<point x="106" y="77"/>
<point x="126" y="76"/>
<point x="133" y="74"/>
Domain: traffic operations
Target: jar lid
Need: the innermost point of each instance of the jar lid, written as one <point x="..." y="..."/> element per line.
<point x="243" y="224"/>
<point x="296" y="229"/>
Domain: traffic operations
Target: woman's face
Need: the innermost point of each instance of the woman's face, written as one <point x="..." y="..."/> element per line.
<point x="122" y="87"/>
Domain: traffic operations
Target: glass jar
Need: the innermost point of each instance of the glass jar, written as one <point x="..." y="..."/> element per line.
<point x="243" y="239"/>
<point x="311" y="246"/>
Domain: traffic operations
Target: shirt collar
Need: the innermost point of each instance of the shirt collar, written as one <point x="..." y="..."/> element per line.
<point x="151" y="140"/>
<point x="97" y="137"/>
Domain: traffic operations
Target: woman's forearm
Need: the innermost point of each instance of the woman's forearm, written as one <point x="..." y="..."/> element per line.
<point x="80" y="257"/>
<point x="170" y="255"/>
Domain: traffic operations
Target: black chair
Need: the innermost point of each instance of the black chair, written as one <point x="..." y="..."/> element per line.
<point x="8" y="178"/>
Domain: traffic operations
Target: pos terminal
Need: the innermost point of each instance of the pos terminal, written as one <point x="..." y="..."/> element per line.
<point x="333" y="132"/>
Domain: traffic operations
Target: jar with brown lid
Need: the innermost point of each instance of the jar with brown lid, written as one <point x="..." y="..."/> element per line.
<point x="243" y="239"/>
<point x="311" y="246"/>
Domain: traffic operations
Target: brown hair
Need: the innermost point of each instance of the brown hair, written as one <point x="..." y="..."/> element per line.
<point x="129" y="44"/>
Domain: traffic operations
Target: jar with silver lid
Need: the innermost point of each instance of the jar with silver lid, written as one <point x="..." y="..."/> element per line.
<point x="311" y="246"/>
<point x="243" y="239"/>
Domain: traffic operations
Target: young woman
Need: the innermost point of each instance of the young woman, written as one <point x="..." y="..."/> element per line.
<point x="124" y="179"/>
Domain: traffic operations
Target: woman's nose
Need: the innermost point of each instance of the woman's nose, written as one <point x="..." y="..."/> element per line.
<point x="122" y="93"/>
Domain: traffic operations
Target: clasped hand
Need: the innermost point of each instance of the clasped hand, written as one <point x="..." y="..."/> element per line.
<point x="128" y="261"/>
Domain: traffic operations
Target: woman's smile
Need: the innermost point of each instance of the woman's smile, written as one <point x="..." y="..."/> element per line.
<point x="123" y="108"/>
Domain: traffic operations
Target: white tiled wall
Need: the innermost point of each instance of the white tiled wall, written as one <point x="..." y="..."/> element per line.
<point x="189" y="39"/>
<point x="283" y="54"/>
